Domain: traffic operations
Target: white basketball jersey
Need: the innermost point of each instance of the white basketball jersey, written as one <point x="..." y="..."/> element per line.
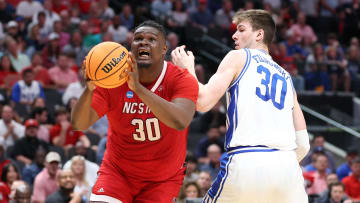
<point x="260" y="105"/>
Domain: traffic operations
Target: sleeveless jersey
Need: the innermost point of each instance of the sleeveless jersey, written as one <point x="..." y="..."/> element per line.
<point x="139" y="145"/>
<point x="260" y="105"/>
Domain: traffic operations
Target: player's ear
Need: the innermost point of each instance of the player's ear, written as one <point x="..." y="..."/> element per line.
<point x="164" y="49"/>
<point x="260" y="35"/>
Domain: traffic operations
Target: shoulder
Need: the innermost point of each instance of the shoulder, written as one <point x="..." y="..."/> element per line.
<point x="177" y="72"/>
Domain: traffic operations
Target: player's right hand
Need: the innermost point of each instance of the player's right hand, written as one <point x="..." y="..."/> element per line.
<point x="183" y="59"/>
<point x="89" y="84"/>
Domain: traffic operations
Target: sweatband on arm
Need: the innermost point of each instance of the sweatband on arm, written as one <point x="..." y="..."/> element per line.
<point x="303" y="145"/>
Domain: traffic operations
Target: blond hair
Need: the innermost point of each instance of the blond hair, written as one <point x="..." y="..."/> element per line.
<point x="258" y="19"/>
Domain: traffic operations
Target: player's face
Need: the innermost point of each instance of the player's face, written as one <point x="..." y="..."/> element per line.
<point x="148" y="46"/>
<point x="244" y="35"/>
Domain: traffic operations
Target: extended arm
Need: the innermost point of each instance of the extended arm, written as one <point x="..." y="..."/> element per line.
<point x="302" y="137"/>
<point x="83" y="115"/>
<point x="228" y="70"/>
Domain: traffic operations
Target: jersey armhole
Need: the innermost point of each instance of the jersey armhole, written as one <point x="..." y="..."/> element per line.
<point x="248" y="58"/>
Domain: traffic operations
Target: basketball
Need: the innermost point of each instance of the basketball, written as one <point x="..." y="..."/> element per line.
<point x="105" y="64"/>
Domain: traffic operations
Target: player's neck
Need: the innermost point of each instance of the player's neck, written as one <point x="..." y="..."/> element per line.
<point x="149" y="75"/>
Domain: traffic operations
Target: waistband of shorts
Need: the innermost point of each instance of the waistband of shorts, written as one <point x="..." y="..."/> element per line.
<point x="246" y="149"/>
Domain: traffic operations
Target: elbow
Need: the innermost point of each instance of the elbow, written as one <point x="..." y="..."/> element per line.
<point x="179" y="125"/>
<point x="77" y="126"/>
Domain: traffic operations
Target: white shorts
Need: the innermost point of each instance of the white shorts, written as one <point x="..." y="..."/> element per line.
<point x="258" y="175"/>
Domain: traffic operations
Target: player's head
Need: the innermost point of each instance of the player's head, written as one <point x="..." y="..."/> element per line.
<point x="149" y="44"/>
<point x="253" y="27"/>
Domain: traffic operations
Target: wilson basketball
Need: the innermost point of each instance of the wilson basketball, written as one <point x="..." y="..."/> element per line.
<point x="105" y="64"/>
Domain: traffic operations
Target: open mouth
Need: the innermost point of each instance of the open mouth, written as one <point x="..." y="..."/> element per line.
<point x="143" y="54"/>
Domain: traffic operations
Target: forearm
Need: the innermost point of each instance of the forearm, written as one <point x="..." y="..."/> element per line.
<point x="60" y="140"/>
<point x="23" y="159"/>
<point x="173" y="115"/>
<point x="83" y="115"/>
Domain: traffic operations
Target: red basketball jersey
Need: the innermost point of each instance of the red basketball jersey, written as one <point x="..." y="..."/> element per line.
<point x="139" y="145"/>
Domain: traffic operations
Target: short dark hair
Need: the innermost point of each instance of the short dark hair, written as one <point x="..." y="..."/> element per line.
<point x="37" y="111"/>
<point x="336" y="184"/>
<point x="258" y="19"/>
<point x="26" y="71"/>
<point x="153" y="24"/>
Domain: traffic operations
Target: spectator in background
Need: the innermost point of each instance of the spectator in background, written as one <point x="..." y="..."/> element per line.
<point x="12" y="30"/>
<point x="52" y="51"/>
<point x="62" y="135"/>
<point x="127" y="17"/>
<point x="90" y="34"/>
<point x="40" y="114"/>
<point x="64" y="37"/>
<point x="325" y="196"/>
<point x="202" y="18"/>
<point x="83" y="186"/>
<point x="178" y="16"/>
<point x="34" y="42"/>
<point x="311" y="167"/>
<point x="7" y="72"/>
<point x="74" y="90"/>
<point x="31" y="171"/>
<point x="190" y="190"/>
<point x="317" y="144"/>
<point x="41" y="74"/>
<point x="18" y="60"/>
<point x="14" y="185"/>
<point x="61" y="74"/>
<point x="46" y="181"/>
<point x="301" y="30"/>
<point x="352" y="182"/>
<point x="204" y="182"/>
<point x="10" y="130"/>
<point x="317" y="77"/>
<point x="161" y="9"/>
<point x="339" y="74"/>
<point x="172" y="42"/>
<point x="212" y="137"/>
<point x="28" y="8"/>
<point x="26" y="90"/>
<point x="83" y="6"/>
<point x="26" y="147"/>
<point x="213" y="166"/>
<point x="344" y="170"/>
<point x="76" y="46"/>
<point x="90" y="171"/>
<point x="10" y="173"/>
<point x="106" y="12"/>
<point x="223" y="18"/>
<point x="3" y="159"/>
<point x="44" y="29"/>
<point x="191" y="174"/>
<point x="353" y="66"/>
<point x="66" y="193"/>
<point x="22" y="194"/>
<point x="58" y="6"/>
<point x="319" y="184"/>
<point x="6" y="12"/>
<point x="336" y="194"/>
<point x="50" y="15"/>
<point x="117" y="30"/>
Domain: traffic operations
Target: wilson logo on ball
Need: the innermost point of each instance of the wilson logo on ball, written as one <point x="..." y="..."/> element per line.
<point x="109" y="66"/>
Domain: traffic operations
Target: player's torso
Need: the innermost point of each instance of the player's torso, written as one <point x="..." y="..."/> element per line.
<point x="260" y="104"/>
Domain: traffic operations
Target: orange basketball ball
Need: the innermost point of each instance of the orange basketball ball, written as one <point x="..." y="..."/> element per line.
<point x="105" y="64"/>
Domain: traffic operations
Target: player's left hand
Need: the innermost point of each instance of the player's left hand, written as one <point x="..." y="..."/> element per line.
<point x="183" y="59"/>
<point x="133" y="73"/>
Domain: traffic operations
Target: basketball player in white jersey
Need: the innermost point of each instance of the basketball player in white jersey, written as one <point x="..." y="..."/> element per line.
<point x="266" y="134"/>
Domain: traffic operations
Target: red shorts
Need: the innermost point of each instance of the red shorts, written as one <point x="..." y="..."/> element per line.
<point x="129" y="190"/>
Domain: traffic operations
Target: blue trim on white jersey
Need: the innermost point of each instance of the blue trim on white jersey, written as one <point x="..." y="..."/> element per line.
<point x="233" y="92"/>
<point x="245" y="149"/>
<point x="218" y="185"/>
<point x="248" y="58"/>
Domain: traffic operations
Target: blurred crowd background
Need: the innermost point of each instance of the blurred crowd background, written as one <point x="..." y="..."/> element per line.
<point x="43" y="44"/>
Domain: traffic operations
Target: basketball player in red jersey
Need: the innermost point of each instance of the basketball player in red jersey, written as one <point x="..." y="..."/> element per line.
<point x="148" y="120"/>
